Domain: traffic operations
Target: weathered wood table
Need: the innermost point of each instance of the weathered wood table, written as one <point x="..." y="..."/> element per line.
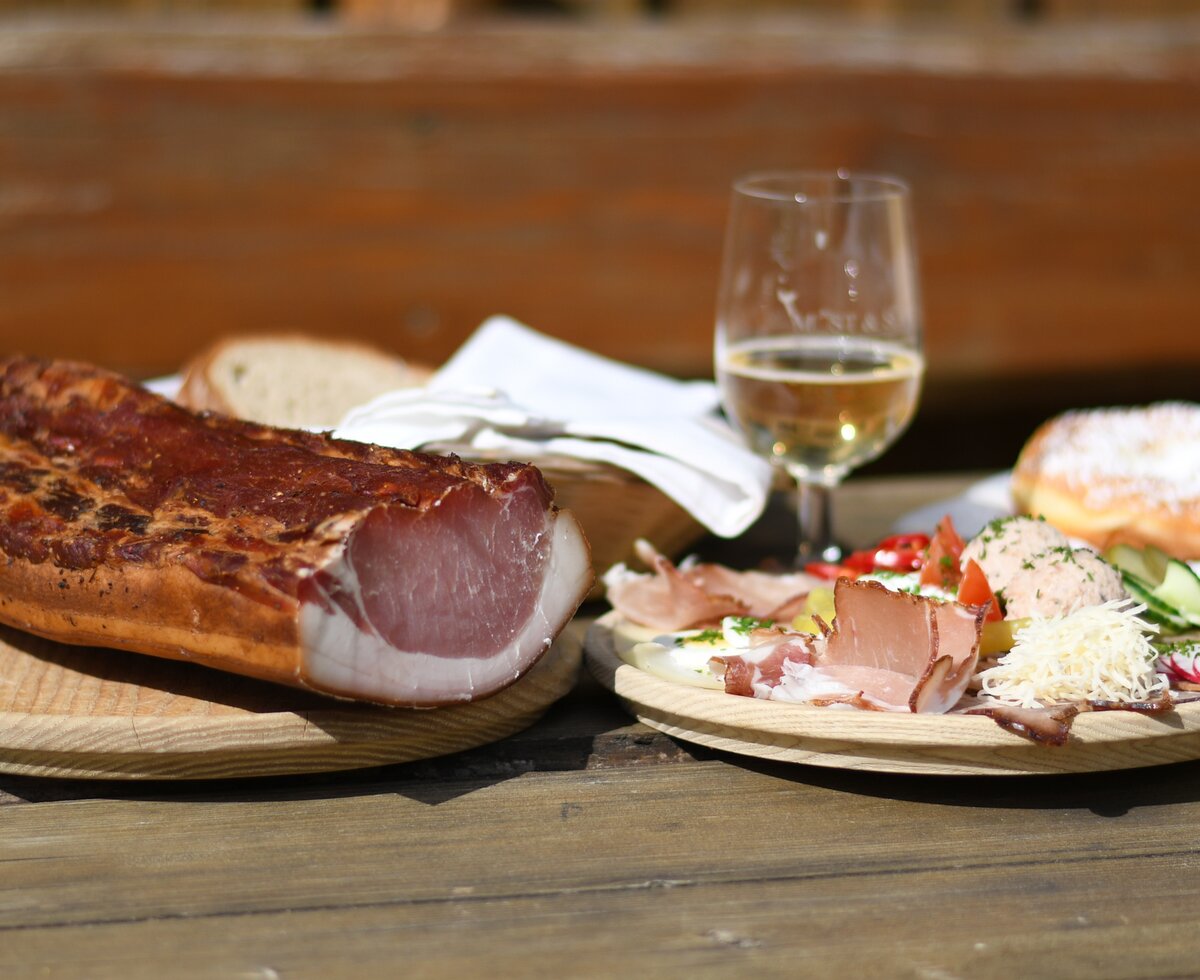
<point x="588" y="845"/>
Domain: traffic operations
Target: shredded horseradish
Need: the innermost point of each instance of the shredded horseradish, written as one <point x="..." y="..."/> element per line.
<point x="1098" y="652"/>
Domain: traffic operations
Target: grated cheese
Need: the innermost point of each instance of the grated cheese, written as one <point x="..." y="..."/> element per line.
<point x="1098" y="652"/>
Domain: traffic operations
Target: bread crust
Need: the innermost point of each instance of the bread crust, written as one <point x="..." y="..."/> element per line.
<point x="200" y="391"/>
<point x="1117" y="475"/>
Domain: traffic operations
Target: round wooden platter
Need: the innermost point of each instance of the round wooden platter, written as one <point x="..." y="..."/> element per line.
<point x="885" y="741"/>
<point x="85" y="712"/>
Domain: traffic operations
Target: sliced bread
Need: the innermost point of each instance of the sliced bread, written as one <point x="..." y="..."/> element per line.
<point x="292" y="380"/>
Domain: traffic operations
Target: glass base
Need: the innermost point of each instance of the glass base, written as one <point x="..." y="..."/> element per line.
<point x="815" y="518"/>
<point x="807" y="552"/>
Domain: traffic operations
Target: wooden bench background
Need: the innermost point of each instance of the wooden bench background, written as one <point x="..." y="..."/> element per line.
<point x="164" y="181"/>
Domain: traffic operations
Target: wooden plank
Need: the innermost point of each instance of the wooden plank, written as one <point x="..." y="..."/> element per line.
<point x="663" y="929"/>
<point x="546" y="871"/>
<point x="164" y="187"/>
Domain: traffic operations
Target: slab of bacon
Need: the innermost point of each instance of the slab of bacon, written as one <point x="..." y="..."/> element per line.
<point x="397" y="577"/>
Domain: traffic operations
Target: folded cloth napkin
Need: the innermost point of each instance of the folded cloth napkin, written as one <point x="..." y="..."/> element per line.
<point x="512" y="391"/>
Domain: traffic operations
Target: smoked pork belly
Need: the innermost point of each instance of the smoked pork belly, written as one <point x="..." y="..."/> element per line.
<point x="354" y="570"/>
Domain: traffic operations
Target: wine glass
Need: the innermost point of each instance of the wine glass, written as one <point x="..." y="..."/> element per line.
<point x="818" y="349"/>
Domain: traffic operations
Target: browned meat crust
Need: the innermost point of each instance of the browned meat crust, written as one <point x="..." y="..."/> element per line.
<point x="127" y="521"/>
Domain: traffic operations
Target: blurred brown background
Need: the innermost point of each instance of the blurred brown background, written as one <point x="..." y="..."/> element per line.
<point x="396" y="170"/>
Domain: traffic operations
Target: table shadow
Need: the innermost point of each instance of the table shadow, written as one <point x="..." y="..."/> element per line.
<point x="1106" y="794"/>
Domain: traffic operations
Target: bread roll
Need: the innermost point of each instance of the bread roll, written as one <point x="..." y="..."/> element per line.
<point x="1111" y="475"/>
<point x="292" y="381"/>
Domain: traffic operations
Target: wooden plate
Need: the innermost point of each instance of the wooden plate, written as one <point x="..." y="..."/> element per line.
<point x="885" y="741"/>
<point x="84" y="712"/>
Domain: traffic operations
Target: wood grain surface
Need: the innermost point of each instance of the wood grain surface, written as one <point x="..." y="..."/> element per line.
<point x="166" y="186"/>
<point x="517" y="860"/>
<point x="882" y="741"/>
<point x="85" y="712"/>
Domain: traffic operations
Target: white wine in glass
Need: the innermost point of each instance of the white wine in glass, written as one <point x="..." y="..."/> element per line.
<point x="818" y="339"/>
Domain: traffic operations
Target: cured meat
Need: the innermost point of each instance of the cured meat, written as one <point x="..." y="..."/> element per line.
<point x="887" y="650"/>
<point x="680" y="598"/>
<point x="371" y="573"/>
<point x="764" y="666"/>
<point x="1045" y="726"/>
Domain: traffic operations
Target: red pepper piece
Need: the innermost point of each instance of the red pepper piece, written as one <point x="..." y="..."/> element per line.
<point x="830" y="571"/>
<point x="974" y="590"/>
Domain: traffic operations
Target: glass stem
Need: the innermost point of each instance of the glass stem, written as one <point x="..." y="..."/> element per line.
<point x="815" y="513"/>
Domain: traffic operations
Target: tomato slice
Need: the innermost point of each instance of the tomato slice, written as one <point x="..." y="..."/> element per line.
<point x="941" y="560"/>
<point x="974" y="590"/>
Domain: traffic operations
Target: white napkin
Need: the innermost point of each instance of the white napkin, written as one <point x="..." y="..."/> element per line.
<point x="510" y="390"/>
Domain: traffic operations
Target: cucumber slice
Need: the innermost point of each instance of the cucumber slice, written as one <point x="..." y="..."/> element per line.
<point x="1147" y="564"/>
<point x="1180" y="588"/>
<point x="1157" y="611"/>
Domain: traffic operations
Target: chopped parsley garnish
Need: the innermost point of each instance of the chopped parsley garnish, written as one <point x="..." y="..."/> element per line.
<point x="748" y="624"/>
<point x="704" y="636"/>
<point x="742" y="625"/>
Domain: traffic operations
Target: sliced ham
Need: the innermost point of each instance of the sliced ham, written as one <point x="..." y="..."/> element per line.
<point x="887" y="650"/>
<point x="673" y="598"/>
<point x="1046" y="726"/>
<point x="1051" y="724"/>
<point x="764" y="664"/>
<point x="766" y="595"/>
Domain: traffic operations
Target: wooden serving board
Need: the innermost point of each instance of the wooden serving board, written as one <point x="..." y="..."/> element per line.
<point x="85" y="712"/>
<point x="887" y="741"/>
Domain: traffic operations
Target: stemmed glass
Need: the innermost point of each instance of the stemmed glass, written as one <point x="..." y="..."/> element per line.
<point x="818" y="350"/>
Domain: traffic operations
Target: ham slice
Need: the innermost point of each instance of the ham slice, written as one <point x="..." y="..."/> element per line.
<point x="129" y="522"/>
<point x="1051" y="723"/>
<point x="1045" y="726"/>
<point x="764" y="665"/>
<point x="887" y="650"/>
<point x="674" y="598"/>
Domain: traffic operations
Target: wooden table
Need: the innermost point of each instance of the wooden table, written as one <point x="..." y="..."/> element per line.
<point x="590" y="846"/>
